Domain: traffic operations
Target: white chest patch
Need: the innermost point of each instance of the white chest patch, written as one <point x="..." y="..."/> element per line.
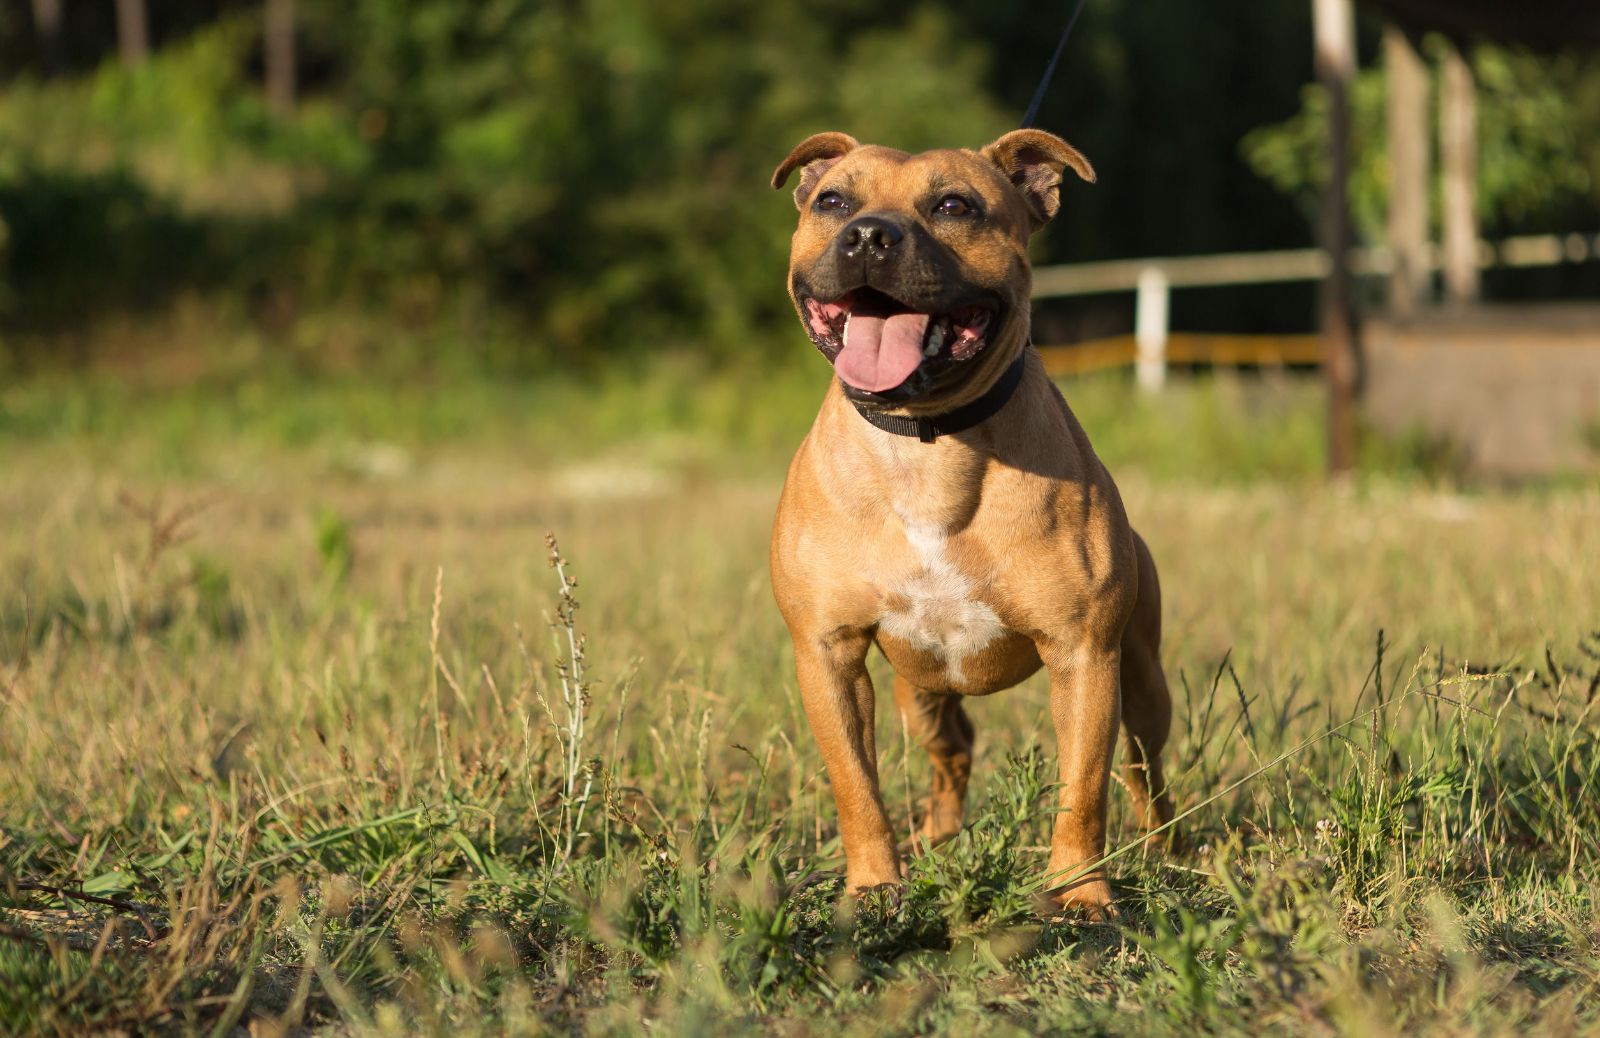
<point x="936" y="610"/>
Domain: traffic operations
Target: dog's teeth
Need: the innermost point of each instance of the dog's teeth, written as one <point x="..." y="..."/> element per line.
<point x="935" y="340"/>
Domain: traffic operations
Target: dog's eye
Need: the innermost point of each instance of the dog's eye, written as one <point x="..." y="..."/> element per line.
<point x="953" y="205"/>
<point x="832" y="202"/>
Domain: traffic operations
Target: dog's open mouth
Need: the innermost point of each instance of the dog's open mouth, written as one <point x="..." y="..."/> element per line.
<point x="876" y="342"/>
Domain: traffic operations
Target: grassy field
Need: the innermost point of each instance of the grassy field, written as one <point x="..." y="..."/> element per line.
<point x="295" y="705"/>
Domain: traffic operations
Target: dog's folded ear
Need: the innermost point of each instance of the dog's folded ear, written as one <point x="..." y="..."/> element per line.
<point x="1036" y="161"/>
<point x="812" y="157"/>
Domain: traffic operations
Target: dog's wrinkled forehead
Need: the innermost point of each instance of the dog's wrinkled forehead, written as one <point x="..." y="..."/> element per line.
<point x="1018" y="177"/>
<point x="878" y="178"/>
<point x="900" y="176"/>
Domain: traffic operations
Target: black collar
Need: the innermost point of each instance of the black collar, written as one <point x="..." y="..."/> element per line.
<point x="930" y="427"/>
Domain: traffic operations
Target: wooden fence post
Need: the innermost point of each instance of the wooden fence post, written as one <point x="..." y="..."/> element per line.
<point x="1458" y="162"/>
<point x="279" y="46"/>
<point x="133" y="32"/>
<point x="47" y="27"/>
<point x="1333" y="22"/>
<point x="1408" y="138"/>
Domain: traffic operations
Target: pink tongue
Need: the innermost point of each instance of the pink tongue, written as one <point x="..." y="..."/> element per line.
<point x="880" y="352"/>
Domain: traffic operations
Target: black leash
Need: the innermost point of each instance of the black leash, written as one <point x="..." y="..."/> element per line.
<point x="927" y="429"/>
<point x="1050" y="69"/>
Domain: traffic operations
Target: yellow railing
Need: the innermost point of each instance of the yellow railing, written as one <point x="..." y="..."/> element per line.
<point x="1184" y="348"/>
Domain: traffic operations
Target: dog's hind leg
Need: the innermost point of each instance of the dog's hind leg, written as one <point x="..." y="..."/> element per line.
<point x="1146" y="703"/>
<point x="937" y="723"/>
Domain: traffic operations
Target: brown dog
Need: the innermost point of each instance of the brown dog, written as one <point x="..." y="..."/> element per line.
<point x="946" y="503"/>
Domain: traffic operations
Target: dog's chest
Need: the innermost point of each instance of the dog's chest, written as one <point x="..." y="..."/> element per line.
<point x="933" y="606"/>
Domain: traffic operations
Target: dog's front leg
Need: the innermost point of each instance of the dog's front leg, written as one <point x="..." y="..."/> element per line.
<point x="1085" y="704"/>
<point x="838" y="697"/>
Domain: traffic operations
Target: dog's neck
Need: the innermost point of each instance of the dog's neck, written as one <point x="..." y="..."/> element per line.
<point x="937" y="485"/>
<point x="928" y="428"/>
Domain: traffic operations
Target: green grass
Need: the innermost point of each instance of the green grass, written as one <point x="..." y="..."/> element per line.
<point x="285" y="673"/>
<point x="665" y="411"/>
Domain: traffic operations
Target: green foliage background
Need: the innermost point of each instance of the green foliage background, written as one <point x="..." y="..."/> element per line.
<point x="557" y="182"/>
<point x="1539" y="155"/>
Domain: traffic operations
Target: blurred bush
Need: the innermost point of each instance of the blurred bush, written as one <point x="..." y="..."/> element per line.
<point x="597" y="167"/>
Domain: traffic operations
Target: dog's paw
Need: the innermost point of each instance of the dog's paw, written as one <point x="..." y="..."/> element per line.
<point x="870" y="871"/>
<point x="1089" y="901"/>
<point x="861" y="886"/>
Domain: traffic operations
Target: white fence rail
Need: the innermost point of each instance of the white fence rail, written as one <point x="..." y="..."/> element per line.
<point x="1153" y="279"/>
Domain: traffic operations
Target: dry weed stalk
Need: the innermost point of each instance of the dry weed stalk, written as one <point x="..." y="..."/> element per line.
<point x="575" y="698"/>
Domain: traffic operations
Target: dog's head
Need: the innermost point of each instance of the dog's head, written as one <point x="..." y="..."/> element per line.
<point x="910" y="272"/>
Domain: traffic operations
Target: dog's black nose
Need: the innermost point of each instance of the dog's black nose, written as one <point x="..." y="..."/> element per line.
<point x="870" y="237"/>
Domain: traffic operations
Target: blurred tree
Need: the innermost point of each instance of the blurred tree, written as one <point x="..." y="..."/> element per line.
<point x="603" y="162"/>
